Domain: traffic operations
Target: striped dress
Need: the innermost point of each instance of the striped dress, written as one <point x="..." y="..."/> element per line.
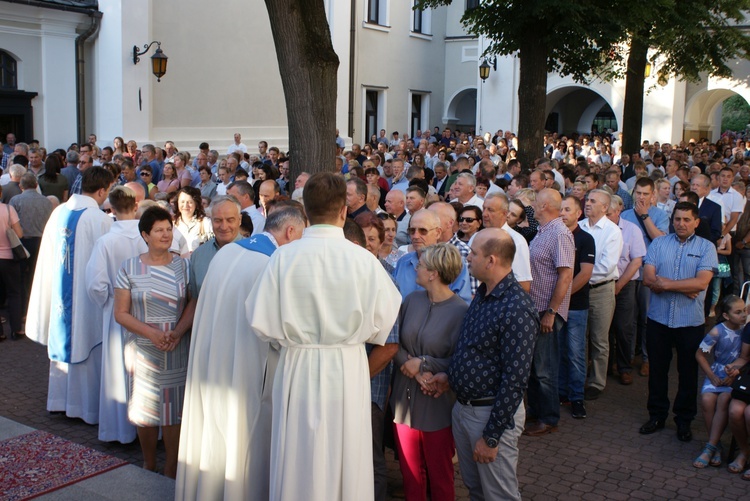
<point x="158" y="295"/>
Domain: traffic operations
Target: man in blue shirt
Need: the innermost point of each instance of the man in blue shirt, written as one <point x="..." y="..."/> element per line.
<point x="678" y="268"/>
<point x="425" y="230"/>
<point x="653" y="223"/>
<point x="149" y="158"/>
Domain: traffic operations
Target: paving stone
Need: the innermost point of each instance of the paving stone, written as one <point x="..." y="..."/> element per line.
<point x="601" y="457"/>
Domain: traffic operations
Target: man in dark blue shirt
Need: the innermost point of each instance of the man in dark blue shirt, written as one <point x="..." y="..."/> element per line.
<point x="490" y="370"/>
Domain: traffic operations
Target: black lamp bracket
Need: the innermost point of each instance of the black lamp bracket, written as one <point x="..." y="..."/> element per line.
<point x="146" y="47"/>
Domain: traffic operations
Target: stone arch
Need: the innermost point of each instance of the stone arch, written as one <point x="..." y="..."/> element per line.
<point x="576" y="106"/>
<point x="703" y="111"/>
<point x="461" y="106"/>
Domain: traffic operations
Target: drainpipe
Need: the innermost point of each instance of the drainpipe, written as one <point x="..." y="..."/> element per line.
<point x="352" y="33"/>
<point x="93" y="29"/>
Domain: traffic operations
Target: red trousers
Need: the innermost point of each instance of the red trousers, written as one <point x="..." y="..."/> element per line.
<point x="423" y="456"/>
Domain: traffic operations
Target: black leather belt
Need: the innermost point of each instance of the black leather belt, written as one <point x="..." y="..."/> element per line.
<point x="600" y="284"/>
<point x="480" y="402"/>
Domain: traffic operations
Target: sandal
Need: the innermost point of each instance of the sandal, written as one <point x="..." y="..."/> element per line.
<point x="746" y="475"/>
<point x="708" y="451"/>
<point x="737" y="466"/>
<point x="716" y="458"/>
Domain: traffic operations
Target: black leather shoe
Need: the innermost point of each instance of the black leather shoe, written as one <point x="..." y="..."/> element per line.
<point x="684" y="434"/>
<point x="591" y="393"/>
<point x="652" y="426"/>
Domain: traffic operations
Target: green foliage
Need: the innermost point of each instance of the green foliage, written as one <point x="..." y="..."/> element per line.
<point x="735" y="114"/>
<point x="693" y="37"/>
<point x="579" y="34"/>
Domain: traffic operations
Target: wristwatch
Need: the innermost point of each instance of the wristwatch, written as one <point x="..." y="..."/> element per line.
<point x="491" y="442"/>
<point x="423" y="366"/>
<point x="551" y="311"/>
<point x="643" y="216"/>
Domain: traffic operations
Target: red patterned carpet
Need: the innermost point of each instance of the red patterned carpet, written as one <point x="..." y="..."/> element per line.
<point x="38" y="462"/>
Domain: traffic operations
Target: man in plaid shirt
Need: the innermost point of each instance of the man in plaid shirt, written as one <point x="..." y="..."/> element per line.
<point x="552" y="255"/>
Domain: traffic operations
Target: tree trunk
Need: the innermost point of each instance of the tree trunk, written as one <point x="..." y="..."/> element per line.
<point x="632" y="114"/>
<point x="308" y="66"/>
<point x="532" y="96"/>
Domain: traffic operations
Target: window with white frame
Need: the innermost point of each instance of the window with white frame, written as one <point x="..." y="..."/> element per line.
<point x="419" y="112"/>
<point x="421" y="20"/>
<point x="373" y="112"/>
<point x="377" y="12"/>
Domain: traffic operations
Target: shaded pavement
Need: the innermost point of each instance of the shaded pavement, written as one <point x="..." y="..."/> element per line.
<point x="601" y="457"/>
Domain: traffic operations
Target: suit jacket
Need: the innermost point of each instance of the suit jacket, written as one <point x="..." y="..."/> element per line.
<point x="627" y="172"/>
<point x="435" y="181"/>
<point x="710" y="212"/>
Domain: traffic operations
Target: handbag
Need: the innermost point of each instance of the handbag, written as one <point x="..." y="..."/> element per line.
<point x="741" y="384"/>
<point x="19" y="251"/>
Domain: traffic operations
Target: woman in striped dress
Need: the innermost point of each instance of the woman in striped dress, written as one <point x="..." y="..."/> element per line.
<point x="151" y="295"/>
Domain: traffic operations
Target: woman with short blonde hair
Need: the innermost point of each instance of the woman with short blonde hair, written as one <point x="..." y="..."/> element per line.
<point x="428" y="324"/>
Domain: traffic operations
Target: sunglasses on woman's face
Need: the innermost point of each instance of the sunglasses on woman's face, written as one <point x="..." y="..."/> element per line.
<point x="466" y="219"/>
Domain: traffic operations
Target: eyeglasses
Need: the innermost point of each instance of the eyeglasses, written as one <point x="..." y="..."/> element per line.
<point x="422" y="231"/>
<point x="145" y="174"/>
<point x="420" y="264"/>
<point x="467" y="219"/>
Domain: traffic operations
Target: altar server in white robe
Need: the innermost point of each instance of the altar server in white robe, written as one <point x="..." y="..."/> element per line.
<point x="61" y="315"/>
<point x="122" y="242"/>
<point x="226" y="421"/>
<point x="321" y="298"/>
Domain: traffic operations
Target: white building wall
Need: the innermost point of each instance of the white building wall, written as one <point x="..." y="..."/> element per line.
<point x="223" y="75"/>
<point x="396" y="62"/>
<point x="43" y="42"/>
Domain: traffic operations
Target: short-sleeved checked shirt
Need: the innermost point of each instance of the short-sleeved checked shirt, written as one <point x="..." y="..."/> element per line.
<point x="552" y="248"/>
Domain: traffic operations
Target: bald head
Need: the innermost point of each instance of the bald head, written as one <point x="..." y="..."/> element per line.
<point x="547" y="205"/>
<point x="427" y="216"/>
<point x="395" y="202"/>
<point x="447" y="215"/>
<point x="491" y="257"/>
<point x="140" y="193"/>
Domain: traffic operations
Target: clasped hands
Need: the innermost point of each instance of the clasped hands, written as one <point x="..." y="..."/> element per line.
<point x="717" y="381"/>
<point x="165" y="340"/>
<point x="432" y="384"/>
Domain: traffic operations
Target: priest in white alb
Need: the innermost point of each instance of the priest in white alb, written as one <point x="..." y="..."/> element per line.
<point x="226" y="421"/>
<point x="321" y="298"/>
<point x="123" y="241"/>
<point x="61" y="315"/>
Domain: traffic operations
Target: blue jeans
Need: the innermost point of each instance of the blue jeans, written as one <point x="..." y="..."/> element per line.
<point x="543" y="398"/>
<point x="572" y="342"/>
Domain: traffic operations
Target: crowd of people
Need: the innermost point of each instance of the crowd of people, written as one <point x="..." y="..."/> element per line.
<point x="245" y="316"/>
